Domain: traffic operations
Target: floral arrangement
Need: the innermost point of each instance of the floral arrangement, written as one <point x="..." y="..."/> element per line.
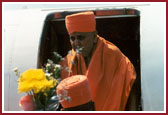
<point x="40" y="86"/>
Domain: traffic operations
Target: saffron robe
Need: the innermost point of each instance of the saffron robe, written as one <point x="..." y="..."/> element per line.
<point x="110" y="74"/>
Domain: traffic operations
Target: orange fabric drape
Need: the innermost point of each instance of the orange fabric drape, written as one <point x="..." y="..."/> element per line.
<point x="110" y="74"/>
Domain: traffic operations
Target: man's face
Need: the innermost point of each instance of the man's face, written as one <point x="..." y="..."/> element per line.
<point x="83" y="42"/>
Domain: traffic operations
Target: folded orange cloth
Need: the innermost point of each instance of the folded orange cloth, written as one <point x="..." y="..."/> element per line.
<point x="81" y="22"/>
<point x="78" y="90"/>
<point x="110" y="74"/>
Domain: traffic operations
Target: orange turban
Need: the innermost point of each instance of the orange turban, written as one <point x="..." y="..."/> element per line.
<point x="78" y="90"/>
<point x="81" y="22"/>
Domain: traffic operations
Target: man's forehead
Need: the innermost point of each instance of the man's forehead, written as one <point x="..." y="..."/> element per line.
<point x="80" y="33"/>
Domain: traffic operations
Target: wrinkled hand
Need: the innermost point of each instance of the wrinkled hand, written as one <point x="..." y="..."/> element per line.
<point x="26" y="103"/>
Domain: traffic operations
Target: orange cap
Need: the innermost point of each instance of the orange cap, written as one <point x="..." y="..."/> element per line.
<point x="78" y="90"/>
<point x="81" y="22"/>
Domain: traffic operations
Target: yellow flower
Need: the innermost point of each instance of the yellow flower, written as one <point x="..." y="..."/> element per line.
<point x="46" y="94"/>
<point x="34" y="79"/>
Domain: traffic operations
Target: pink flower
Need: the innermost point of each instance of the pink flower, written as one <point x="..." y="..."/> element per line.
<point x="26" y="102"/>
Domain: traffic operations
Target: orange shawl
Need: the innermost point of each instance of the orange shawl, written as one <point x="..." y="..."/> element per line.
<point x="110" y="74"/>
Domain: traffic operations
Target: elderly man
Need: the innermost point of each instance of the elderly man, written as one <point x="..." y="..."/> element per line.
<point x="110" y="73"/>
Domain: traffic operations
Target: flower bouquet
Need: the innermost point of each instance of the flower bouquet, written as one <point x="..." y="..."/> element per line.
<point x="40" y="87"/>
